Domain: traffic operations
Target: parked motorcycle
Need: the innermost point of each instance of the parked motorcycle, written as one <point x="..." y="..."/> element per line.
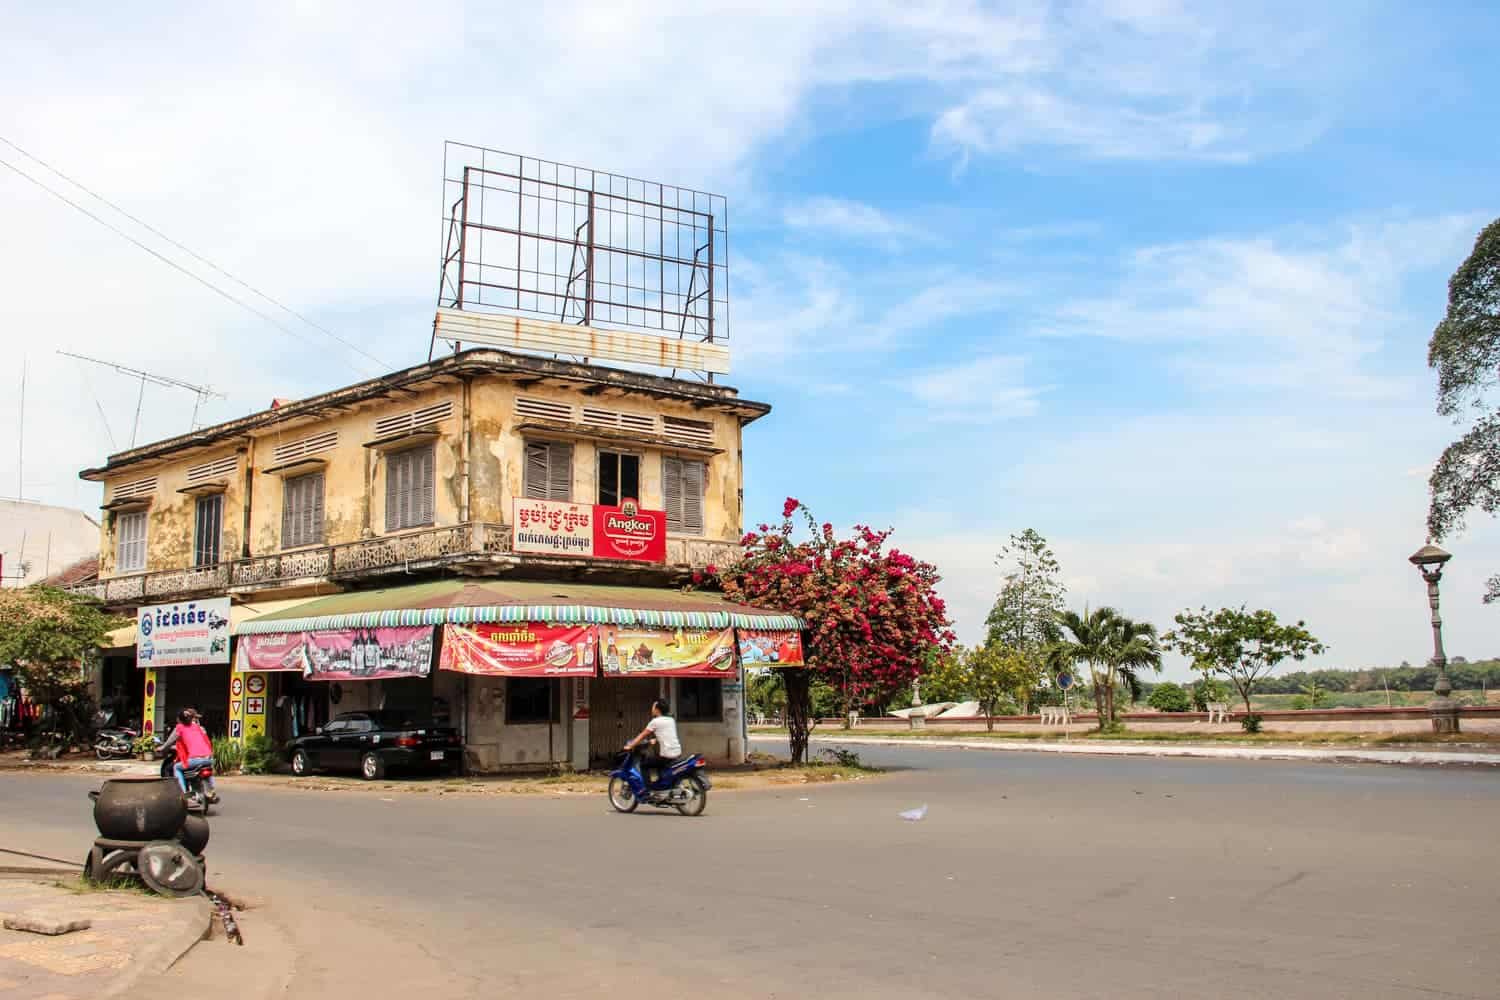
<point x="110" y="741"/>
<point x="682" y="785"/>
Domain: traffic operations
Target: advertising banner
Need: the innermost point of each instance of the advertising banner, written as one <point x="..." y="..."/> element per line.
<point x="529" y="650"/>
<point x="595" y="531"/>
<point x="362" y="654"/>
<point x="663" y="652"/>
<point x="194" y="633"/>
<point x="767" y="648"/>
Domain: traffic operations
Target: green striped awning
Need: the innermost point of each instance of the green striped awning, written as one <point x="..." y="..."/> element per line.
<point x="459" y="602"/>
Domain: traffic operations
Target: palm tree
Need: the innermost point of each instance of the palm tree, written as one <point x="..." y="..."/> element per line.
<point x="1087" y="639"/>
<point x="1133" y="647"/>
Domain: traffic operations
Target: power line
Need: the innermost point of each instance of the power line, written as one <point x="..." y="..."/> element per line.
<point x="190" y="252"/>
<point x="178" y="267"/>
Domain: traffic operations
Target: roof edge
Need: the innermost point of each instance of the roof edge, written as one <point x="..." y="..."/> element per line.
<point x="473" y="362"/>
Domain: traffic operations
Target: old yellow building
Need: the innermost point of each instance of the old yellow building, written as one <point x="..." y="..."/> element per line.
<point x="409" y="481"/>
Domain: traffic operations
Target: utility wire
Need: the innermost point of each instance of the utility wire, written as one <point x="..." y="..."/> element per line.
<point x="189" y="251"/>
<point x="178" y="267"/>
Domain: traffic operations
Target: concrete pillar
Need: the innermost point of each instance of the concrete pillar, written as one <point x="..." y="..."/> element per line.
<point x="580" y="734"/>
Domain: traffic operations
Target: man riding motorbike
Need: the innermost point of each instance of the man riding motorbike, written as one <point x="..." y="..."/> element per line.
<point x="663" y="730"/>
<point x="193" y="749"/>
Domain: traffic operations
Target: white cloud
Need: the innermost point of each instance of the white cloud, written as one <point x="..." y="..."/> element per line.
<point x="854" y="219"/>
<point x="975" y="391"/>
<point x="1296" y="311"/>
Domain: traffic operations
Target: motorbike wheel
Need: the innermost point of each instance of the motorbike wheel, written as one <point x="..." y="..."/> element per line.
<point x="102" y="753"/>
<point x="697" y="799"/>
<point x="621" y="797"/>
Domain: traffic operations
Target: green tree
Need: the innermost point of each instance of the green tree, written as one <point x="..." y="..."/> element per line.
<point x="52" y="637"/>
<point x="1112" y="647"/>
<point x="1169" y="697"/>
<point x="1208" y="689"/>
<point x="996" y="676"/>
<point x="1024" y="616"/>
<point x="1465" y="351"/>
<point x="1240" y="645"/>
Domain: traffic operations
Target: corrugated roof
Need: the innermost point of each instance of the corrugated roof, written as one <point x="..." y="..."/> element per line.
<point x="461" y="601"/>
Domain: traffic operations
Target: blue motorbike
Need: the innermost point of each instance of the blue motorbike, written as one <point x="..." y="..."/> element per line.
<point x="682" y="785"/>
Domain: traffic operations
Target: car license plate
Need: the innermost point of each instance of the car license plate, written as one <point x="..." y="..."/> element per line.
<point x="437" y="755"/>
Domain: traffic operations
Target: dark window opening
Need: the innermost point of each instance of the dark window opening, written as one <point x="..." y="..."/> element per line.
<point x="619" y="478"/>
<point x="700" y="699"/>
<point x="209" y="527"/>
<point x="531" y="700"/>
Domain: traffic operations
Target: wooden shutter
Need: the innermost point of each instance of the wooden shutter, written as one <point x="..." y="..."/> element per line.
<point x="560" y="471"/>
<point x="671" y="488"/>
<point x="394" y="467"/>
<point x="693" y="474"/>
<point x="314" y="509"/>
<point x="289" y="513"/>
<point x="536" y="471"/>
<point x="426" y="485"/>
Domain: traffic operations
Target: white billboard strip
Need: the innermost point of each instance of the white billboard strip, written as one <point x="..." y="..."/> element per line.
<point x="193" y="633"/>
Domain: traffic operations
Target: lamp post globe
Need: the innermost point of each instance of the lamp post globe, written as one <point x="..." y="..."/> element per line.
<point x="1429" y="560"/>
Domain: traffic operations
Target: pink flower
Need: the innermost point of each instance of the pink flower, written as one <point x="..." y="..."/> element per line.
<point x="711" y="569"/>
<point x="790" y="507"/>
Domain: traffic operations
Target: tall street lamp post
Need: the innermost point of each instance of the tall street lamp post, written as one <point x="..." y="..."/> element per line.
<point x="1429" y="560"/>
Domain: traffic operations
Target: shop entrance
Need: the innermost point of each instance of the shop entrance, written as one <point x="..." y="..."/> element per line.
<point x="619" y="708"/>
<point x="204" y="688"/>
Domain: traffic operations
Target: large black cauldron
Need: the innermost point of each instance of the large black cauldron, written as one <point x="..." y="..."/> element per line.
<point x="139" y="809"/>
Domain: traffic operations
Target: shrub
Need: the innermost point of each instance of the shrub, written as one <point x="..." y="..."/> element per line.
<point x="1250" y="722"/>
<point x="1299" y="702"/>
<point x="840" y="757"/>
<point x="229" y="755"/>
<point x="261" y="755"/>
<point x="143" y="744"/>
<point x="1169" y="697"/>
<point x="1209" y="689"/>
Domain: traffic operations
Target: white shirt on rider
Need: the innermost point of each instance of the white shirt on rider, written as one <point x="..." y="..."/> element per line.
<point x="664" y="728"/>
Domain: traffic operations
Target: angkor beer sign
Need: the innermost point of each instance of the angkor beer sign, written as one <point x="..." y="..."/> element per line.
<point x="596" y="531"/>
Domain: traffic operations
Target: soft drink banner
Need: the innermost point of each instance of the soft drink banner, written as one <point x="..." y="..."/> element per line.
<point x="767" y="648"/>
<point x="527" y="650"/>
<point x="665" y="652"/>
<point x="364" y="654"/>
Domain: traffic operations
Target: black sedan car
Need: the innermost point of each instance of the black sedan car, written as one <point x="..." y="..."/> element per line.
<point x="372" y="742"/>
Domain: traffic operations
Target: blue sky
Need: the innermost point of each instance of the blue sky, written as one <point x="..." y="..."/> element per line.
<point x="1153" y="278"/>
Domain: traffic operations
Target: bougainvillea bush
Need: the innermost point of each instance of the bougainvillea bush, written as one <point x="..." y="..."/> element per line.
<point x="873" y="614"/>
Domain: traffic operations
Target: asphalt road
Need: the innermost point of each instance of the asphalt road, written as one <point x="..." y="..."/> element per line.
<point x="1030" y="875"/>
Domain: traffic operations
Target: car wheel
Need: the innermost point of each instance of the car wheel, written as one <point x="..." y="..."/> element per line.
<point x="371" y="767"/>
<point x="301" y="766"/>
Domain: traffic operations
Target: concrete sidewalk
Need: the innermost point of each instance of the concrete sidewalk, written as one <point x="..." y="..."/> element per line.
<point x="1133" y="749"/>
<point x="134" y="936"/>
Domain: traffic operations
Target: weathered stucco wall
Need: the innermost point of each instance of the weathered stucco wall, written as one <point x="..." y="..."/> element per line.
<point x="170" y="518"/>
<point x="498" y="454"/>
<point x="355" y="476"/>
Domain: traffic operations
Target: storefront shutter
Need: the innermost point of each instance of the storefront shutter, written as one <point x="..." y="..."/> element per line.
<point x="394" y="468"/>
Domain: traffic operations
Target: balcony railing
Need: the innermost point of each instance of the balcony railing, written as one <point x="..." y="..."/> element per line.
<point x="474" y="542"/>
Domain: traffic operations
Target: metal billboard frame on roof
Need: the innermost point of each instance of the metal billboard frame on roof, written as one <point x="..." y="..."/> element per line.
<point x="537" y="238"/>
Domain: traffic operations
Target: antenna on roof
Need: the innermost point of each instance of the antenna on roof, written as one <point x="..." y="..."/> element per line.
<point x="202" y="392"/>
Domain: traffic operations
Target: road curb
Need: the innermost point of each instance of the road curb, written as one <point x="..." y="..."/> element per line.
<point x="1426" y="758"/>
<point x="189" y="922"/>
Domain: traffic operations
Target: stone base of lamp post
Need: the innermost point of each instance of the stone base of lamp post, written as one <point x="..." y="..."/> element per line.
<point x="1444" y="713"/>
<point x="918" y="718"/>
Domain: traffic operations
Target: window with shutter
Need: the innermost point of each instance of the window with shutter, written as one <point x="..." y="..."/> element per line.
<point x="302" y="511"/>
<point x="549" y="471"/>
<point x="619" y="477"/>
<point x="209" y="524"/>
<point x="682" y="489"/>
<point x="409" y="489"/>
<point x="130" y="542"/>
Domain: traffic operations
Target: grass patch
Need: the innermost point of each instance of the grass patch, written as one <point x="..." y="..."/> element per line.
<point x="81" y="886"/>
<point x="1241" y="739"/>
